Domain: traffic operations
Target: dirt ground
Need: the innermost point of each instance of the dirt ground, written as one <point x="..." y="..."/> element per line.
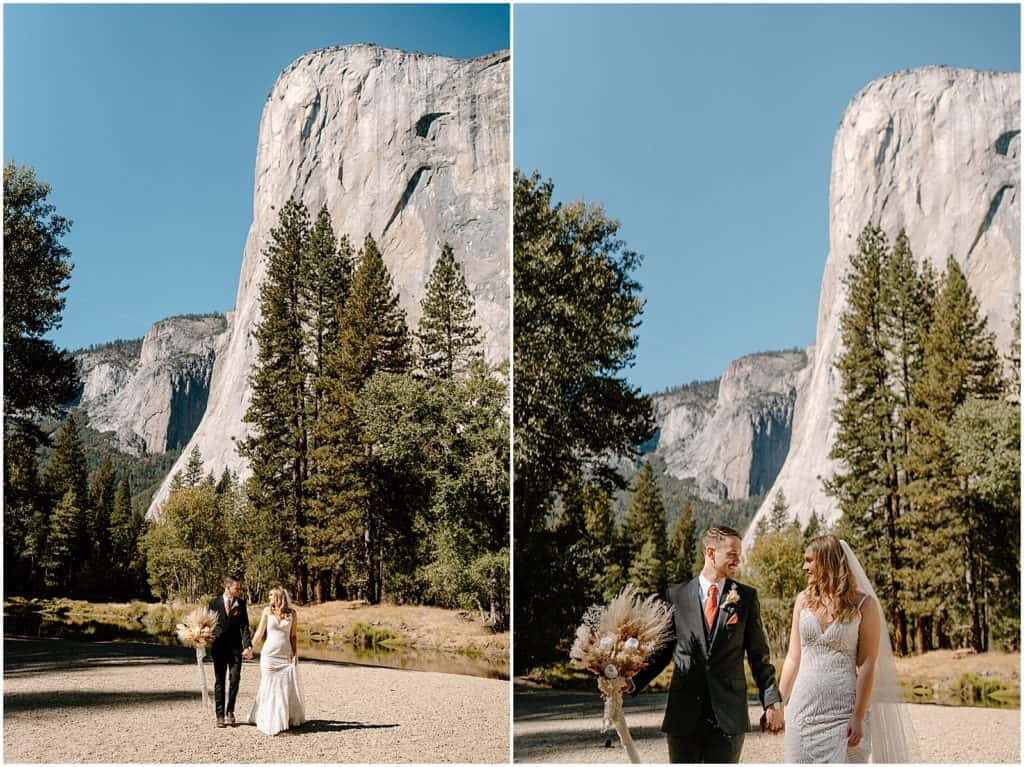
<point x="565" y="726"/>
<point x="68" y="701"/>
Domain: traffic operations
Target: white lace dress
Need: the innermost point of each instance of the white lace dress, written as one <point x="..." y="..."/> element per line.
<point x="821" y="704"/>
<point x="278" y="703"/>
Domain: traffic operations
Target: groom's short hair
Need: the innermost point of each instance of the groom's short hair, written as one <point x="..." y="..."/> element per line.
<point x="718" y="535"/>
<point x="232" y="578"/>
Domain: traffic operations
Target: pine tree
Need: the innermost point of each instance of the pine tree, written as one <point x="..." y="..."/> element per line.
<point x="193" y="474"/>
<point x="63" y="543"/>
<point x="645" y="523"/>
<point x="326" y="278"/>
<point x="959" y="362"/>
<point x="23" y="501"/>
<point x="683" y="548"/>
<point x="647" y="571"/>
<point x="778" y="515"/>
<point x="866" y="484"/>
<point x="102" y="489"/>
<point x="67" y="468"/>
<point x="1013" y="358"/>
<point x="813" y="528"/>
<point x="278" y="451"/>
<point x="448" y="339"/>
<point x="372" y="338"/>
<point x="122" y="528"/>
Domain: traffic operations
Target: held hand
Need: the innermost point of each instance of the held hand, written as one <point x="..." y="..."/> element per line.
<point x="775" y="720"/>
<point x="247" y="653"/>
<point x="854" y="732"/>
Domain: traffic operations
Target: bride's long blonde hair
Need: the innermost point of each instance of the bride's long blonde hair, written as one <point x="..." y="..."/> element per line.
<point x="834" y="586"/>
<point x="280" y="604"/>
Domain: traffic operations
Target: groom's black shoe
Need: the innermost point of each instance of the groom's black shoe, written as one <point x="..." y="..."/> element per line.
<point x="220" y="722"/>
<point x="231" y="718"/>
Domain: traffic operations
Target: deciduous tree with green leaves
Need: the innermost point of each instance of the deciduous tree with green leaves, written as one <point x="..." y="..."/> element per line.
<point x="38" y="377"/>
<point x="577" y="307"/>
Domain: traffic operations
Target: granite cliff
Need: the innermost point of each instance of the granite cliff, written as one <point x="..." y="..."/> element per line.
<point x="151" y="393"/>
<point x="408" y="147"/>
<point x="935" y="151"/>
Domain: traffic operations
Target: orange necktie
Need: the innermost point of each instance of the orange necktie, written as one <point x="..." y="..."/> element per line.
<point x="711" y="606"/>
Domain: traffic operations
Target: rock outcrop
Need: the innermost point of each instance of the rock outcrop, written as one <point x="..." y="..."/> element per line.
<point x="731" y="436"/>
<point x="935" y="151"/>
<point x="408" y="147"/>
<point x="152" y="393"/>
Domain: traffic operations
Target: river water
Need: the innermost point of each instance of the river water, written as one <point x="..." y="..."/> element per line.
<point x="19" y="622"/>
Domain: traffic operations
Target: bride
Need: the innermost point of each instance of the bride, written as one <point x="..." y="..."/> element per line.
<point x="278" y="704"/>
<point x="842" y="698"/>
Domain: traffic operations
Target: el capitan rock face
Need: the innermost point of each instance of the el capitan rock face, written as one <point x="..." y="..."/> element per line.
<point x="152" y="393"/>
<point x="731" y="438"/>
<point x="408" y="147"/>
<point x="935" y="151"/>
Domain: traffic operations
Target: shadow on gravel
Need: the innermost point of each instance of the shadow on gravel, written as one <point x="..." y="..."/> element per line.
<point x="31" y="656"/>
<point x="332" y="725"/>
<point x="15" y="702"/>
<point x="533" y="705"/>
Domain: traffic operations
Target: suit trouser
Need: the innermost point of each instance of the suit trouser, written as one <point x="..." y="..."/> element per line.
<point x="225" y="661"/>
<point x="707" y="744"/>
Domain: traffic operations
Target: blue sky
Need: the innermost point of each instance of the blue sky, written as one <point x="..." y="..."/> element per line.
<point x="144" y="120"/>
<point x="707" y="131"/>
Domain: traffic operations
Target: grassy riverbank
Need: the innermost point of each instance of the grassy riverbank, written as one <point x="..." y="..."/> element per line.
<point x="356" y="623"/>
<point x="948" y="677"/>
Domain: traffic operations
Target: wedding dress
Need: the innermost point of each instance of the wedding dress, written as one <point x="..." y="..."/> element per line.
<point x="825" y="691"/>
<point x="278" y="703"/>
<point x="821" y="704"/>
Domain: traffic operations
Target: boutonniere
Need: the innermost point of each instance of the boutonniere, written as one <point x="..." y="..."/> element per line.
<point x="234" y="611"/>
<point x="733" y="597"/>
<point x="731" y="600"/>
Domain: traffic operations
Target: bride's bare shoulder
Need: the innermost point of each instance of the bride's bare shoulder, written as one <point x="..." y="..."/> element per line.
<point x="860" y="598"/>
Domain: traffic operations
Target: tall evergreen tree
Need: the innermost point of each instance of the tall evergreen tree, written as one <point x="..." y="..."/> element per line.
<point x="372" y="338"/>
<point x="67" y="468"/>
<point x="645" y="524"/>
<point x="778" y="515"/>
<point x="278" y="449"/>
<point x="64" y="543"/>
<point x="326" y="279"/>
<point x="193" y="474"/>
<point x="814" y="527"/>
<point x="448" y="339"/>
<point x="23" y="503"/>
<point x="959" y="362"/>
<point x="102" y="489"/>
<point x="683" y="548"/>
<point x="1013" y="358"/>
<point x="866" y="483"/>
<point x="122" y="528"/>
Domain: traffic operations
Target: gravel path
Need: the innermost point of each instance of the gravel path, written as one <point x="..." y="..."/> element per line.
<point x="564" y="726"/>
<point x="118" y="702"/>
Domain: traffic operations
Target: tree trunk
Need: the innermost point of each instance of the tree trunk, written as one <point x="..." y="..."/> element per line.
<point x="368" y="560"/>
<point x="972" y="591"/>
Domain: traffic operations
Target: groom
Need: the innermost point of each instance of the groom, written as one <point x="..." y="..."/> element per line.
<point x="231" y="643"/>
<point x="716" y="622"/>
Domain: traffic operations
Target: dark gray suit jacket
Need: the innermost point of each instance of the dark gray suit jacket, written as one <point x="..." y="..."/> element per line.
<point x="712" y="665"/>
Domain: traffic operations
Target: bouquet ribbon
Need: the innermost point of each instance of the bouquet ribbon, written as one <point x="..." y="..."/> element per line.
<point x="611" y="691"/>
